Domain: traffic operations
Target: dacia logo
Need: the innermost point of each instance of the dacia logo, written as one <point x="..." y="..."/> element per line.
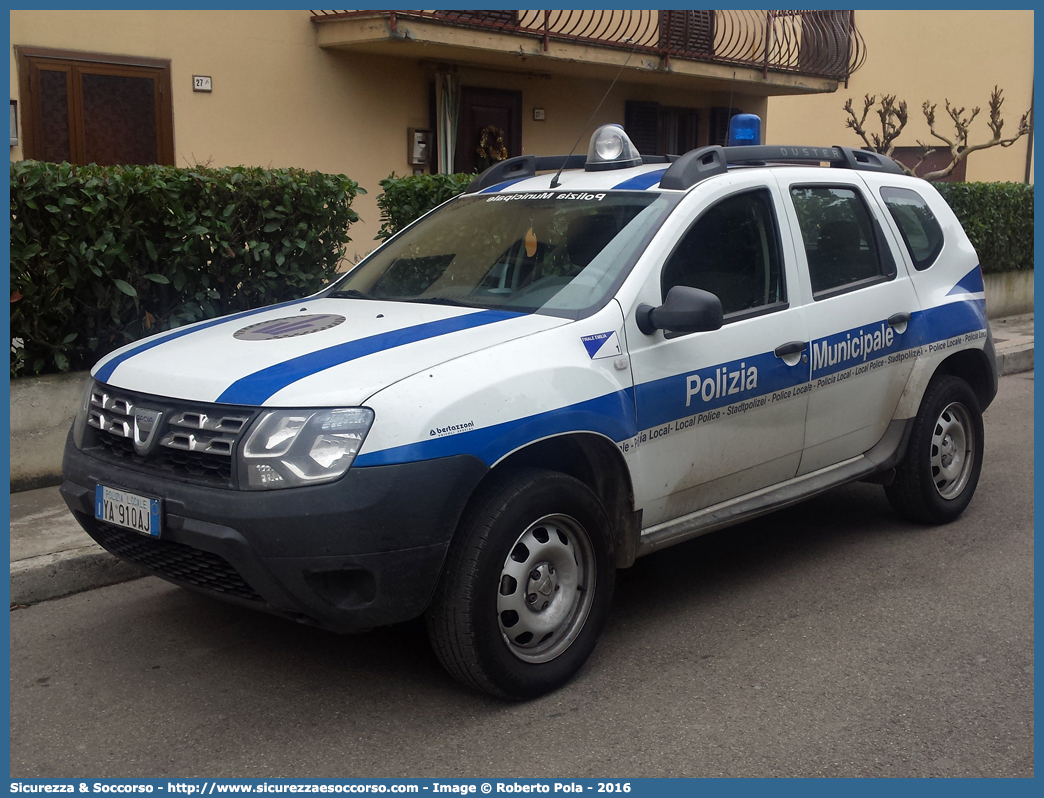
<point x="146" y="422"/>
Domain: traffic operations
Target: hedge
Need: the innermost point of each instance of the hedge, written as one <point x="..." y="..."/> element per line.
<point x="104" y="255"/>
<point x="998" y="218"/>
<point x="410" y="197"/>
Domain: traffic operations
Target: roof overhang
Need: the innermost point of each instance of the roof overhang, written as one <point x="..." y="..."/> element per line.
<point x="430" y="40"/>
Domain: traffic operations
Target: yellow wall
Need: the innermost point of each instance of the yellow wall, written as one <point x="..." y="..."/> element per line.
<point x="928" y="55"/>
<point x="280" y="100"/>
<point x="569" y="102"/>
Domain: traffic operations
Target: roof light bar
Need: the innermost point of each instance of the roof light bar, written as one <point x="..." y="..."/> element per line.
<point x="611" y="149"/>
<point x="745" y="130"/>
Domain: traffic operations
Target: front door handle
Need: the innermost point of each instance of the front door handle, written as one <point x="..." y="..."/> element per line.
<point x="898" y="318"/>
<point x="792" y="348"/>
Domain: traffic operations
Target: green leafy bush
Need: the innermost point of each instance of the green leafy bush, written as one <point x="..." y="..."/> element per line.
<point x="410" y="197"/>
<point x="104" y="255"/>
<point x="998" y="218"/>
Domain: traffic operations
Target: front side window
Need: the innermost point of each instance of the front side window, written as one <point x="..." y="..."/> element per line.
<point x="921" y="232"/>
<point x="560" y="253"/>
<point x="841" y="242"/>
<point x="732" y="251"/>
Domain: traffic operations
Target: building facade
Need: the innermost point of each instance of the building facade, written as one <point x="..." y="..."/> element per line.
<point x="371" y="93"/>
<point x="930" y="55"/>
<point x="360" y="92"/>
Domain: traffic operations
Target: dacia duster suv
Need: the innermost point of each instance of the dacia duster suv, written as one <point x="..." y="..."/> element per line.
<point x="580" y="361"/>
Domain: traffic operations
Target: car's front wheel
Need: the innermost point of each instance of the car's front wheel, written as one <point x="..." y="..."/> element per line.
<point x="527" y="585"/>
<point x="937" y="478"/>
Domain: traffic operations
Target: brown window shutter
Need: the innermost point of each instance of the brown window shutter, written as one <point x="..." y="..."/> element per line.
<point x="95" y="108"/>
<point x="719" y="125"/>
<point x="501" y="17"/>
<point x="687" y="32"/>
<point x="643" y="127"/>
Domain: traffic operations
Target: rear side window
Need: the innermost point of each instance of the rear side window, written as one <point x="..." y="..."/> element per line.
<point x="921" y="232"/>
<point x="841" y="242"/>
<point x="732" y="251"/>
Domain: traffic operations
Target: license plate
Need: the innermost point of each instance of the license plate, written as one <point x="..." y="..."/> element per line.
<point x="129" y="510"/>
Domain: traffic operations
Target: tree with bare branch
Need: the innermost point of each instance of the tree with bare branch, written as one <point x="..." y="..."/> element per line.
<point x="893" y="117"/>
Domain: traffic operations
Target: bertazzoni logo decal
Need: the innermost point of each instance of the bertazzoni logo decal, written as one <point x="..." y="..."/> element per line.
<point x="288" y="327"/>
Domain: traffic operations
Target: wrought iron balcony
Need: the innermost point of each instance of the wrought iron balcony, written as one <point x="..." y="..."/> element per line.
<point x="823" y="44"/>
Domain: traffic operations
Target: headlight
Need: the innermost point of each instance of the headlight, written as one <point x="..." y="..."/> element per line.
<point x="80" y="422"/>
<point x="289" y="448"/>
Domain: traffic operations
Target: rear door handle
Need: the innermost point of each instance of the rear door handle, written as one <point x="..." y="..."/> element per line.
<point x="791" y="348"/>
<point x="898" y="318"/>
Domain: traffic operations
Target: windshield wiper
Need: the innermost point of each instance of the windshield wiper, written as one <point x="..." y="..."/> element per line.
<point x="350" y="293"/>
<point x="436" y="300"/>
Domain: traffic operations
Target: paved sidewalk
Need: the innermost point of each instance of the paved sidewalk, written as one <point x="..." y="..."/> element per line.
<point x="52" y="557"/>
<point x="1013" y="340"/>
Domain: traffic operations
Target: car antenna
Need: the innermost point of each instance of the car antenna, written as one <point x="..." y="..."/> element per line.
<point x="558" y="174"/>
<point x="728" y="121"/>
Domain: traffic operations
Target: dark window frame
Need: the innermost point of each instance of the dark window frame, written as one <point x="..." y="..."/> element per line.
<point x="746" y="313"/>
<point x="888" y="270"/>
<point x="922" y="264"/>
<point x="74" y="63"/>
<point x="652" y="127"/>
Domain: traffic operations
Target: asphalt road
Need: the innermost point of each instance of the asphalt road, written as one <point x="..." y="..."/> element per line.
<point x="830" y="639"/>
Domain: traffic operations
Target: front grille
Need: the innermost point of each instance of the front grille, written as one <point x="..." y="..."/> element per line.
<point x="176" y="561"/>
<point x="189" y="441"/>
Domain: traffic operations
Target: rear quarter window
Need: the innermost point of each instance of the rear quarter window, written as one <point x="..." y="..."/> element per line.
<point x="842" y="240"/>
<point x="921" y="232"/>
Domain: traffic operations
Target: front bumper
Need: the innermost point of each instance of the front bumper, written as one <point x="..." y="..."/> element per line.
<point x="364" y="551"/>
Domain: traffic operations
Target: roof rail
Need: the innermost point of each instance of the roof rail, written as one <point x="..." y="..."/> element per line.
<point x="525" y="166"/>
<point x="699" y="164"/>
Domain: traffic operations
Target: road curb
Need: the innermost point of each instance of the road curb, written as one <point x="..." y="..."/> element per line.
<point x="52" y="576"/>
<point x="1015" y="361"/>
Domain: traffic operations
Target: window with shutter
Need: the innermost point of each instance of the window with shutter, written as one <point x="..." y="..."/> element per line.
<point x="642" y="125"/>
<point x="86" y="108"/>
<point x="660" y="130"/>
<point x="687" y="32"/>
<point x="503" y="17"/>
<point x="719" y="125"/>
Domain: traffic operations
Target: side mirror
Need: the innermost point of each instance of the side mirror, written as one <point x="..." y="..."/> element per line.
<point x="685" y="310"/>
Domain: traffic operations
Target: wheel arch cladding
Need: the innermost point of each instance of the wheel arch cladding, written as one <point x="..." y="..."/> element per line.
<point x="972" y="366"/>
<point x="596" y="462"/>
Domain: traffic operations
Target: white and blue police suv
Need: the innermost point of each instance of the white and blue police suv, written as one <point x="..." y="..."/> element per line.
<point x="580" y="361"/>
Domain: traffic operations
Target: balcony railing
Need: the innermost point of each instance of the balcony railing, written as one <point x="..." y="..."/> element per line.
<point x="814" y="43"/>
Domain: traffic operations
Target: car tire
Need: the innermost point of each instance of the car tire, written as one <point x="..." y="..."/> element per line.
<point x="936" y="480"/>
<point x="527" y="585"/>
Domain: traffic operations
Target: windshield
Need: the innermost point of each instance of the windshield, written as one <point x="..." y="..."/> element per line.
<point x="561" y="253"/>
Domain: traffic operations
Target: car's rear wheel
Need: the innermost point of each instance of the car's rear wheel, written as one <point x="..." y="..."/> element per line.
<point x="937" y="479"/>
<point x="527" y="585"/>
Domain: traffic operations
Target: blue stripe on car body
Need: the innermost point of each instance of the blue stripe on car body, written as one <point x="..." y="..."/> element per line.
<point x="611" y="414"/>
<point x="255" y="388"/>
<point x="641" y="182"/>
<point x="663" y="401"/>
<point x="105" y="372"/>
<point x="505" y="184"/>
<point x="971" y="283"/>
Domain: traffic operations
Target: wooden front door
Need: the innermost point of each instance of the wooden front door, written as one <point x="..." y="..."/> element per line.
<point x="480" y="108"/>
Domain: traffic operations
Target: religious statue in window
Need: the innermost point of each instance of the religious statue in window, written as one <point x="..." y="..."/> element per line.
<point x="490" y="147"/>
